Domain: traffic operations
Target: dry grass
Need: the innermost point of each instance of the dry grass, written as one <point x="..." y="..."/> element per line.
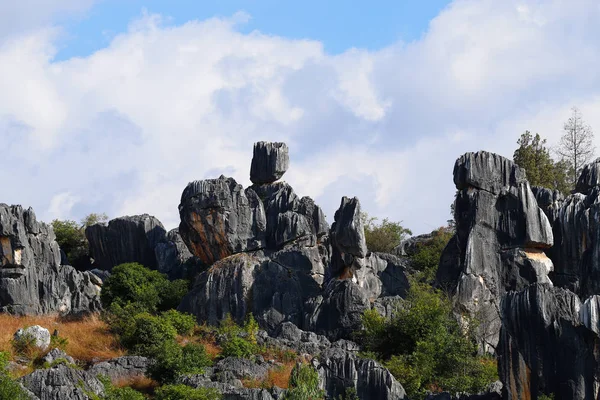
<point x="279" y="376"/>
<point x="88" y="338"/>
<point x="140" y="383"/>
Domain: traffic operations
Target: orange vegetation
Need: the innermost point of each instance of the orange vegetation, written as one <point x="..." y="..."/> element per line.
<point x="278" y="376"/>
<point x="139" y="383"/>
<point x="88" y="338"/>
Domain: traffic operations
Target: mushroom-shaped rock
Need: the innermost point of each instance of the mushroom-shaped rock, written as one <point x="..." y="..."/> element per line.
<point x="125" y="239"/>
<point x="219" y="218"/>
<point x="486" y="171"/>
<point x="32" y="279"/>
<point x="269" y="162"/>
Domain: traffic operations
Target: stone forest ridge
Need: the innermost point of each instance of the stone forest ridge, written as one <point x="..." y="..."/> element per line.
<point x="522" y="271"/>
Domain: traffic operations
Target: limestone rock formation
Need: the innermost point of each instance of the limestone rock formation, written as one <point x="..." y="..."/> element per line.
<point x="121" y="368"/>
<point x="275" y="288"/>
<point x="124" y="240"/>
<point x="62" y="382"/>
<point x="219" y="218"/>
<point x="576" y="227"/>
<point x="348" y="238"/>
<point x="269" y="163"/>
<point x="32" y="279"/>
<point x="340" y="369"/>
<point x="175" y="259"/>
<point x="500" y="237"/>
<point x="548" y="345"/>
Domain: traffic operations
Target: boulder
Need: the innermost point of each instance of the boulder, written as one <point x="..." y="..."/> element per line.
<point x="269" y="162"/>
<point x="219" y="218"/>
<point x="548" y="345"/>
<point x="348" y="237"/>
<point x="62" y="382"/>
<point x="498" y="246"/>
<point x="40" y="336"/>
<point x="340" y="369"/>
<point x="121" y="368"/>
<point x="32" y="279"/>
<point x="125" y="240"/>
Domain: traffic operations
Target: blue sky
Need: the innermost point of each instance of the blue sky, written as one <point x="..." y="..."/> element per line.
<point x="108" y="108"/>
<point x="340" y="25"/>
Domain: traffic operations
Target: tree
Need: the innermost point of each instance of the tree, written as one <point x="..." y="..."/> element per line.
<point x="576" y="144"/>
<point x="70" y="236"/>
<point x="533" y="156"/>
<point x="383" y="237"/>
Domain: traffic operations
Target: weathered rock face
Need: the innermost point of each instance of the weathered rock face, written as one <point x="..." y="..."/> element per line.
<point x="124" y="240"/>
<point x="290" y="218"/>
<point x="339" y="312"/>
<point x="62" y="382"/>
<point x="269" y="163"/>
<point x="340" y="369"/>
<point x="219" y="218"/>
<point x="121" y="368"/>
<point x="276" y="287"/>
<point x="32" y="279"/>
<point x="548" y="345"/>
<point x="175" y="259"/>
<point x="576" y="227"/>
<point x="500" y="235"/>
<point x="348" y="238"/>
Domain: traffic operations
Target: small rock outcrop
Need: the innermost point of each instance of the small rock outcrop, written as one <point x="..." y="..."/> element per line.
<point x="340" y="369"/>
<point x="269" y="163"/>
<point x="62" y="382"/>
<point x="348" y="238"/>
<point x="125" y="240"/>
<point x="121" y="368"/>
<point x="548" y="345"/>
<point x="39" y="336"/>
<point x="501" y="235"/>
<point x="32" y="279"/>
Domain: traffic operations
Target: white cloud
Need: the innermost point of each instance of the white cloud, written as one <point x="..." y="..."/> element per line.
<point x="124" y="130"/>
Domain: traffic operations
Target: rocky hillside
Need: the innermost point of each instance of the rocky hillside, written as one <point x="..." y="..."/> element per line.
<point x="520" y="272"/>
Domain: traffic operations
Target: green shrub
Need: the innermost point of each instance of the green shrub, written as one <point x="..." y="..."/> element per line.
<point x="183" y="392"/>
<point x="228" y="327"/>
<point x="251" y="328"/>
<point x="147" y="334"/>
<point x="427" y="255"/>
<point x="172" y="361"/>
<point x="59" y="342"/>
<point x="9" y="388"/>
<point x="304" y="384"/>
<point x="134" y="283"/>
<point x="383" y="237"/>
<point x="238" y="347"/>
<point x="183" y="323"/>
<point x="168" y="362"/>
<point x="424" y="347"/>
<point x="121" y="319"/>
<point x="195" y="359"/>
